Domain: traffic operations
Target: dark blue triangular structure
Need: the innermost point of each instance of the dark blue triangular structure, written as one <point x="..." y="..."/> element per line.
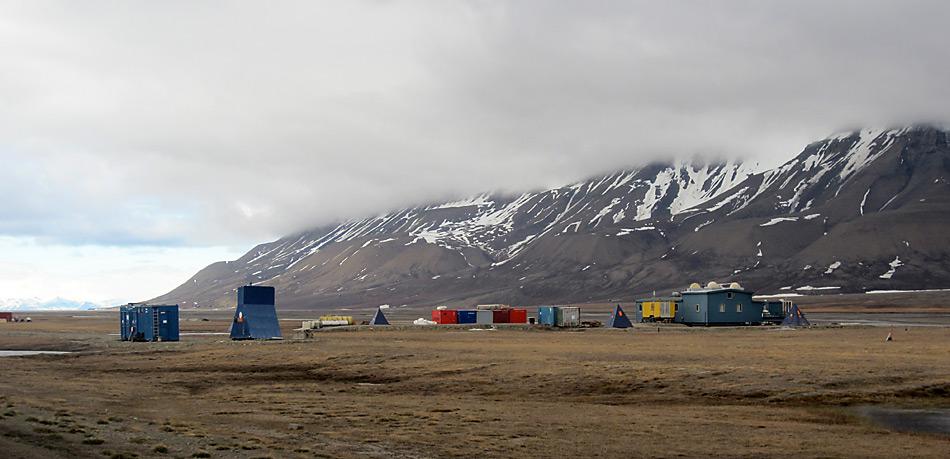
<point x="619" y="319"/>
<point x="795" y="318"/>
<point x="379" y="318"/>
<point x="256" y="315"/>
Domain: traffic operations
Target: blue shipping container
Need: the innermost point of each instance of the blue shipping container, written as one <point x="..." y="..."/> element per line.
<point x="149" y="323"/>
<point x="547" y="315"/>
<point x="467" y="316"/>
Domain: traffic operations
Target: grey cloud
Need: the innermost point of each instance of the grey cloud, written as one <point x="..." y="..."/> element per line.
<point x="197" y="123"/>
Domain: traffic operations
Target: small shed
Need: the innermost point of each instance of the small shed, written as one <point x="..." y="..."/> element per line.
<point x="145" y="322"/>
<point x="6" y="317"/>
<point x="719" y="305"/>
<point x="379" y="318"/>
<point x="256" y="314"/>
<point x="795" y="318"/>
<point x="619" y="319"/>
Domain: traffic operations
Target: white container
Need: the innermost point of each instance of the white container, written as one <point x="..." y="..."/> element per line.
<point x="568" y="316"/>
<point x="665" y="312"/>
<point x="484" y="316"/>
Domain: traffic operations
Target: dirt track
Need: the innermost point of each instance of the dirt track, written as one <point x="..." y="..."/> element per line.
<point x="693" y="392"/>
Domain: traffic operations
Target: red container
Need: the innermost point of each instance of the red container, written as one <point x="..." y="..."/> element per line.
<point x="518" y="316"/>
<point x="445" y="316"/>
<point x="500" y="316"/>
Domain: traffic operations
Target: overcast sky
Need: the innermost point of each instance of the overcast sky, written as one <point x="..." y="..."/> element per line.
<point x="192" y="130"/>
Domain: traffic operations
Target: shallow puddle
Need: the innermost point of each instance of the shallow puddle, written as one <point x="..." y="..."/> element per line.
<point x="24" y="353"/>
<point x="932" y="420"/>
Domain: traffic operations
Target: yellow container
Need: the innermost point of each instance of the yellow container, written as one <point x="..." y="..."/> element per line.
<point x="659" y="309"/>
<point x="336" y="320"/>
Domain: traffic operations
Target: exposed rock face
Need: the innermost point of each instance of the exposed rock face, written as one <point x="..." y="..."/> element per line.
<point x="857" y="211"/>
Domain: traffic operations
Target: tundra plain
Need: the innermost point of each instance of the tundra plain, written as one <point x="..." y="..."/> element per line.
<point x="658" y="391"/>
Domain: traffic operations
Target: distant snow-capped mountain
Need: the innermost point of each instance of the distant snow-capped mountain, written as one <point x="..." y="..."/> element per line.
<point x="845" y="208"/>
<point x="37" y="304"/>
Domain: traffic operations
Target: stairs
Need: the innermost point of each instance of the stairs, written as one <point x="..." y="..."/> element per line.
<point x="155" y="335"/>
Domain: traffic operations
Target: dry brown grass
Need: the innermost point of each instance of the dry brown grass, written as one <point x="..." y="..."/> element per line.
<point x="437" y="393"/>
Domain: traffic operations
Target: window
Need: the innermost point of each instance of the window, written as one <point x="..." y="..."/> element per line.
<point x="697" y="308"/>
<point x="739" y="307"/>
<point x="722" y="307"/>
<point x="730" y="295"/>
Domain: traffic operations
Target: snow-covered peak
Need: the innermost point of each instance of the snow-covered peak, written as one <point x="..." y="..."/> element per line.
<point x="39" y="304"/>
<point x="816" y="175"/>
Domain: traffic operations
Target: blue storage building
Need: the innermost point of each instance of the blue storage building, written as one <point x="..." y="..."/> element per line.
<point x="144" y="322"/>
<point x="547" y="315"/>
<point x="256" y="314"/>
<point x="719" y="305"/>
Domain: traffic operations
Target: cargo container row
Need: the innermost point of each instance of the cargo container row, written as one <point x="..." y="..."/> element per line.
<point x="480" y="316"/>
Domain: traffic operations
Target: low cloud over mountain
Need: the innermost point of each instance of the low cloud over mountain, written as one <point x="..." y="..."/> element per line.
<point x="857" y="211"/>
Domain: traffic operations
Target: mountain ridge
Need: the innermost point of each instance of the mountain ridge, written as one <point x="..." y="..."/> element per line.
<point x="626" y="232"/>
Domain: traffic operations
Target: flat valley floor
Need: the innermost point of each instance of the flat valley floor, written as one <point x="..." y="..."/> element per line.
<point x="650" y="391"/>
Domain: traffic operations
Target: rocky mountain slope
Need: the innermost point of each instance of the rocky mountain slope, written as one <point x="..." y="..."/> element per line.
<point x="857" y="211"/>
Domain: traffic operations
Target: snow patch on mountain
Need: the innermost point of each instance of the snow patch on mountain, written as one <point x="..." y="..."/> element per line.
<point x="686" y="186"/>
<point x="778" y="220"/>
<point x="896" y="263"/>
<point x="626" y="231"/>
<point x="871" y="144"/>
<point x="864" y="200"/>
<point x="832" y="267"/>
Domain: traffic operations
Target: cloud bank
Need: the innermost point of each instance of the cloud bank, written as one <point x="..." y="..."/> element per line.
<point x="208" y="123"/>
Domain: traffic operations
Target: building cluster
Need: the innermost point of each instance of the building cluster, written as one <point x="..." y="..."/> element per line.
<point x="714" y="304"/>
<point x="10" y="317"/>
<point x="255" y="316"/>
<point x="485" y="314"/>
